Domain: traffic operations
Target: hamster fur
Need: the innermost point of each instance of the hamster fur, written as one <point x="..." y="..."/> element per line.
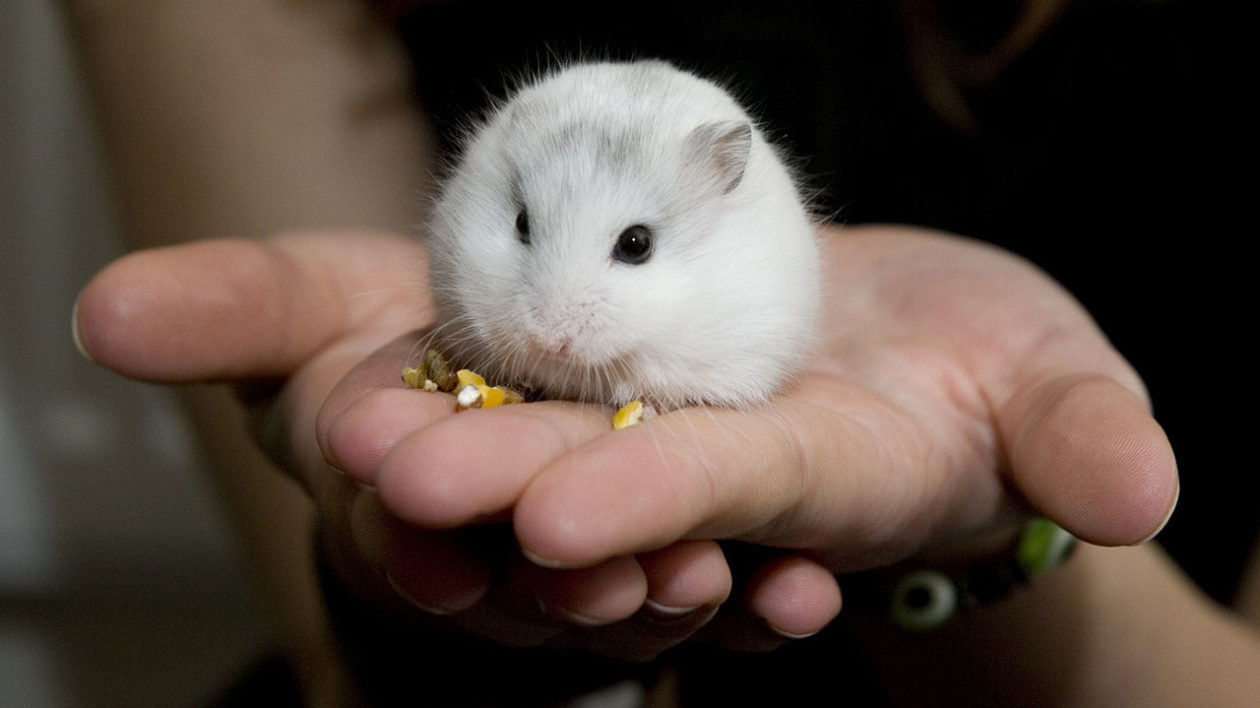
<point x="617" y="231"/>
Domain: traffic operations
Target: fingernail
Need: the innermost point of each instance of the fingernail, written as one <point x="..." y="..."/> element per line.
<point x="567" y="616"/>
<point x="453" y="607"/>
<point x="544" y="562"/>
<point x="76" y="335"/>
<point x="1167" y="517"/>
<point x="665" y="615"/>
<point x="402" y="592"/>
<point x="789" y="635"/>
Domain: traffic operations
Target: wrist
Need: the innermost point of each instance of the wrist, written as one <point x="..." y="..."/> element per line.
<point x="924" y="594"/>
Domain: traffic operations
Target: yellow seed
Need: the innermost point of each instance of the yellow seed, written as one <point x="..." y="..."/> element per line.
<point x="413" y="377"/>
<point x="490" y="397"/>
<point x="511" y="395"/>
<point x="467" y="377"/>
<point x="628" y="415"/>
<point x="470" y="388"/>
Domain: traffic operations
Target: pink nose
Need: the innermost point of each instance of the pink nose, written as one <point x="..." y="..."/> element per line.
<point x="554" y="343"/>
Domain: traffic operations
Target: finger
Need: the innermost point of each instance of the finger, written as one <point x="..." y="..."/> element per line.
<point x="637" y="639"/>
<point x="303" y="307"/>
<point x="237" y="309"/>
<point x="438" y="469"/>
<point x="684" y="579"/>
<point x="794" y="596"/>
<point x="792" y="474"/>
<point x="358" y="441"/>
<point x="439" y="572"/>
<point x="588" y="597"/>
<point x="1086" y="452"/>
<point x="532" y="606"/>
<point x="470" y="466"/>
<point x="781" y="598"/>
<point x="686" y="584"/>
<point x="370" y="409"/>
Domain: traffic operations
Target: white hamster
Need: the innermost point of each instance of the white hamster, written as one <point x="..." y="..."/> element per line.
<point x="616" y="231"/>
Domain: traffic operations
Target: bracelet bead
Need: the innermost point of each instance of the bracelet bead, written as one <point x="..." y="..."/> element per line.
<point x="923" y="599"/>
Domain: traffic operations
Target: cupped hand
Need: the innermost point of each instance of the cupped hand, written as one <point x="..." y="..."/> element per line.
<point x="954" y="388"/>
<point x="285" y="320"/>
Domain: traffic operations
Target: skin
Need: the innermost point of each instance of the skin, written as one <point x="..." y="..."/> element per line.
<point x="923" y="427"/>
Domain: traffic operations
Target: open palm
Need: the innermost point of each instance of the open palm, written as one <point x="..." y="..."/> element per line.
<point x="955" y="389"/>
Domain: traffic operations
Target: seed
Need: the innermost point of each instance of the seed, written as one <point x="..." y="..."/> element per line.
<point x="628" y="415"/>
<point x="413" y="377"/>
<point x="470" y="388"/>
<point x="469" y="396"/>
<point x="509" y="395"/>
<point x="436" y="369"/>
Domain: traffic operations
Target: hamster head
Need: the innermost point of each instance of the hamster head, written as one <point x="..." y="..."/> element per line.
<point x="622" y="231"/>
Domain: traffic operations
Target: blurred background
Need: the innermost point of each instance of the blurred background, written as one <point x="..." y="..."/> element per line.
<point x="120" y="584"/>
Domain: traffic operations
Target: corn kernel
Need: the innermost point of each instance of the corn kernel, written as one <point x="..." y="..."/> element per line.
<point x="490" y="396"/>
<point x="468" y="396"/>
<point x="469" y="387"/>
<point x="511" y="395"/>
<point x="628" y="415"/>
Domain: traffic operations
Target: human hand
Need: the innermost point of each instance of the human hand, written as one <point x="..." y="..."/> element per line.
<point x="957" y="389"/>
<point x="954" y="372"/>
<point x="284" y="321"/>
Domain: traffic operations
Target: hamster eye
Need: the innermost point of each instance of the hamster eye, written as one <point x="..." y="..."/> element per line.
<point x="522" y="226"/>
<point x="634" y="245"/>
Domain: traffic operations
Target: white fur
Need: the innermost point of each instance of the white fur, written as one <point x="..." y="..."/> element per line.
<point x="723" y="311"/>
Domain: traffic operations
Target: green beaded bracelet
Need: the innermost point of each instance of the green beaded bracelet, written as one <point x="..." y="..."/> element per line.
<point x="922" y="600"/>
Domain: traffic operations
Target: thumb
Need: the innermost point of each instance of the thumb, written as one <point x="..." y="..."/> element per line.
<point x="1086" y="452"/>
<point x="240" y="309"/>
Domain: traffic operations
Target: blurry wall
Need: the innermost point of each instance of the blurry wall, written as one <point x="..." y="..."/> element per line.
<point x="119" y="583"/>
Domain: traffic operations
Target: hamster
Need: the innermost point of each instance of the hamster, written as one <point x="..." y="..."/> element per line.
<point x="619" y="231"/>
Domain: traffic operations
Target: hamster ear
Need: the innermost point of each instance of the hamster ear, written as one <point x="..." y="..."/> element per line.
<point x="719" y="151"/>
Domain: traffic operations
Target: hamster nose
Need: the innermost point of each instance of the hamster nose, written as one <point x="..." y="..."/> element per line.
<point x="551" y="342"/>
